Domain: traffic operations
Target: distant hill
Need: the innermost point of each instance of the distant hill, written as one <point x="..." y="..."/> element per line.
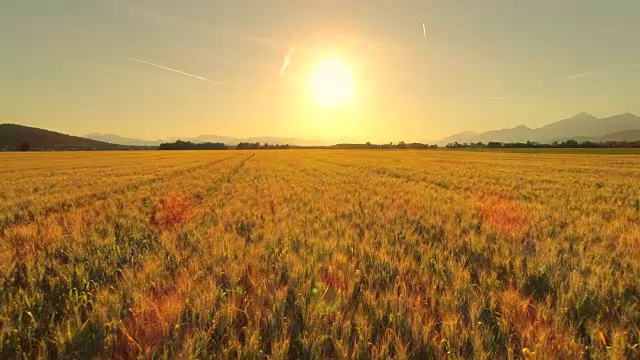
<point x="427" y="141"/>
<point x="213" y="139"/>
<point x="119" y="140"/>
<point x="286" y="140"/>
<point x="516" y="134"/>
<point x="627" y="135"/>
<point x="12" y="136"/>
<point x="115" y="139"/>
<point x="462" y="137"/>
<point x="579" y="126"/>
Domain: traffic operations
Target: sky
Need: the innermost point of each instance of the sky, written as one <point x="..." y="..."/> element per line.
<point x="164" y="68"/>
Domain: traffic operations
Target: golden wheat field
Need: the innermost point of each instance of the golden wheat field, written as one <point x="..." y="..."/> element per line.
<point x="319" y="254"/>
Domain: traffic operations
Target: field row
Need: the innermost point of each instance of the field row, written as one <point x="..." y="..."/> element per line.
<point x="320" y="254"/>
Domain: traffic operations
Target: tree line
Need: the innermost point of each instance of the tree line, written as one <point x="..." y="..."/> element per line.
<point x="188" y="145"/>
<point x="258" y="146"/>
<point x="534" y="144"/>
<point x="27" y="146"/>
<point x="400" y="145"/>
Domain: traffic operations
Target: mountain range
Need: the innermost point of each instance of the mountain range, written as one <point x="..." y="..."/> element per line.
<point x="581" y="127"/>
<point x="115" y="139"/>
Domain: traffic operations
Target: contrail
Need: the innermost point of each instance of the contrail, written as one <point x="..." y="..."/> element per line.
<point x="424" y="30"/>
<point x="287" y="61"/>
<point x="174" y="70"/>
<point x="580" y="75"/>
<point x="129" y="76"/>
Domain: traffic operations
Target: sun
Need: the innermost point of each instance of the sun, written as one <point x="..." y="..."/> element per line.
<point x="332" y="82"/>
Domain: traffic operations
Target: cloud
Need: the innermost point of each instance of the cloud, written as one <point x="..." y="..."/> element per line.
<point x="174" y="70"/>
<point x="287" y="61"/>
<point x="424" y="30"/>
<point x="580" y="75"/>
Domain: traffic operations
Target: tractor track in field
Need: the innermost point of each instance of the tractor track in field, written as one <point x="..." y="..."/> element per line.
<point x="199" y="220"/>
<point x="82" y="200"/>
<point x="204" y="217"/>
<point x="383" y="172"/>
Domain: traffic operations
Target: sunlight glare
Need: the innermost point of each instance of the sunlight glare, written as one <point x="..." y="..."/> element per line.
<point x="332" y="82"/>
